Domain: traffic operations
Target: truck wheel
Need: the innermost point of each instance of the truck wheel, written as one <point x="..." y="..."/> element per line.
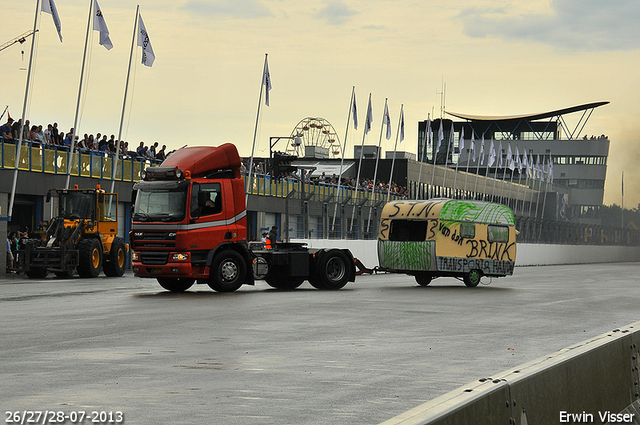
<point x="284" y="283"/>
<point x="423" y="279"/>
<point x="176" y="284"/>
<point x="37" y="273"/>
<point x="228" y="271"/>
<point x="472" y="278"/>
<point x="333" y="270"/>
<point x="316" y="283"/>
<point x="90" y="253"/>
<point x="115" y="262"/>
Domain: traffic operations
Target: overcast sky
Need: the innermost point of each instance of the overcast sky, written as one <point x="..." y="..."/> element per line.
<point x="494" y="57"/>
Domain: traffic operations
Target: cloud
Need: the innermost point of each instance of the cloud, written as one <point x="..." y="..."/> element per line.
<point x="576" y="25"/>
<point x="245" y="9"/>
<point x="336" y="12"/>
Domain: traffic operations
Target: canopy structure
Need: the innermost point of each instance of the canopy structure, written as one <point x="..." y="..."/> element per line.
<point x="511" y="125"/>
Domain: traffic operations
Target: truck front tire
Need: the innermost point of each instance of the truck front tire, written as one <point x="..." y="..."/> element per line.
<point x="176" y="284"/>
<point x="228" y="271"/>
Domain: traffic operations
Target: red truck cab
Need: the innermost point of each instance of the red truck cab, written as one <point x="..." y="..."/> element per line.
<point x="189" y="216"/>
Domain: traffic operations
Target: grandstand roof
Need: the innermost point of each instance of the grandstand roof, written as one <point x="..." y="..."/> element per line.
<point x="529" y="117"/>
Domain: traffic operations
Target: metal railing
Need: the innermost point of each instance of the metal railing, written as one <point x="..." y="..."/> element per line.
<point x="54" y="159"/>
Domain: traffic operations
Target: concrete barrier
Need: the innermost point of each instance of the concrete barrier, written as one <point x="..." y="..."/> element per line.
<point x="527" y="254"/>
<point x="595" y="381"/>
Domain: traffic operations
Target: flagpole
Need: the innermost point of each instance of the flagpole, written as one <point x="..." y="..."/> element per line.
<point x="495" y="178"/>
<point x="460" y="140"/>
<point x="344" y="148"/>
<point x="395" y="148"/>
<point x="375" y="170"/>
<point x="446" y="158"/>
<point x="480" y="162"/>
<point x="472" y="143"/>
<point x="515" y="209"/>
<point x="355" y="194"/>
<point x="124" y="101"/>
<point x="622" y="202"/>
<point x="75" y="120"/>
<point x="24" y="112"/>
<point x="255" y="132"/>
<point x="427" y="142"/>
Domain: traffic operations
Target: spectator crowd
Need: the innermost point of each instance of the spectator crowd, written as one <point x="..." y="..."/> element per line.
<point x="52" y="137"/>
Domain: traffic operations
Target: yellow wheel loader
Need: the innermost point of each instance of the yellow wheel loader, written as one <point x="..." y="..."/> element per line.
<point x="83" y="238"/>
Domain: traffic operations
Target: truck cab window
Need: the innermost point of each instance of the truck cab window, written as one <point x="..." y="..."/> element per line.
<point x="206" y="199"/>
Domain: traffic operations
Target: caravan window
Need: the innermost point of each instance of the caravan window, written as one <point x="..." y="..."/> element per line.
<point x="497" y="233"/>
<point x="468" y="230"/>
<point x="408" y="230"/>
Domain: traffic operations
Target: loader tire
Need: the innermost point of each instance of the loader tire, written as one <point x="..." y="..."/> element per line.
<point x="116" y="260"/>
<point x="90" y="253"/>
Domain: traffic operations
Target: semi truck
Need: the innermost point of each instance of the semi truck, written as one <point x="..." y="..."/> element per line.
<point x="189" y="225"/>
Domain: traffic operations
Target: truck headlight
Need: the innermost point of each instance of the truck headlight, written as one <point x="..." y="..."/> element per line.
<point x="135" y="256"/>
<point x="180" y="257"/>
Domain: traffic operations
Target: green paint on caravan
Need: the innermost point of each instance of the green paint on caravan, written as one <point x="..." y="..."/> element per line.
<point x="401" y="255"/>
<point x="478" y="212"/>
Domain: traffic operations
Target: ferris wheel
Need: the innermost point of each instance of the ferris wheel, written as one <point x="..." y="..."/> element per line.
<point x="316" y="132"/>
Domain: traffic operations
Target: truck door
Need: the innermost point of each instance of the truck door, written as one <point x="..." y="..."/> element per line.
<point x="208" y="219"/>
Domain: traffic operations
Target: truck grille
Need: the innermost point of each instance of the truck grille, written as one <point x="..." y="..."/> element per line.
<point x="154" y="239"/>
<point x="153" y="258"/>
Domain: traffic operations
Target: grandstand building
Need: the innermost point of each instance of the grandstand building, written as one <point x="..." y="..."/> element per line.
<point x="579" y="161"/>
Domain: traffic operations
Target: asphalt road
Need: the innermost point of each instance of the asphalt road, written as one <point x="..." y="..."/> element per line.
<point x="360" y="355"/>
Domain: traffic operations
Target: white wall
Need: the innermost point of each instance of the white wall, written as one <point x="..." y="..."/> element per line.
<point x="527" y="254"/>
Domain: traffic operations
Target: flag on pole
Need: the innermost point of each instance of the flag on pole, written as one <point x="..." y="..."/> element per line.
<point x="510" y="163"/>
<point x="48" y="6"/>
<point x="354" y="112"/>
<point x="550" y="175"/>
<point x="143" y="41"/>
<point x="452" y="140"/>
<point x="266" y="81"/>
<point x="537" y="168"/>
<point x="492" y="155"/>
<point x="369" y="119"/>
<point x="482" y="151"/>
<point x="500" y="165"/>
<point x="473" y="147"/>
<point x="401" y="124"/>
<point x="440" y="135"/>
<point x="386" y="120"/>
<point x="518" y="160"/>
<point x="100" y="25"/>
<point x="461" y="142"/>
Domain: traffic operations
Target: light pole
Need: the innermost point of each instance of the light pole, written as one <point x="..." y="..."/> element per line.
<point x="297" y="140"/>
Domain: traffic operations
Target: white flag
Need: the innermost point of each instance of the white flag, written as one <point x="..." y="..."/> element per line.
<point x="510" y="163"/>
<point x="266" y="81"/>
<point x="401" y="123"/>
<point x="518" y="160"/>
<point x="386" y="120"/>
<point x="452" y="139"/>
<point x="100" y="25"/>
<point x="461" y="141"/>
<point x="500" y="157"/>
<point x="143" y="41"/>
<point x="492" y="155"/>
<point x="354" y="112"/>
<point x="473" y="146"/>
<point x="369" y="119"/>
<point x="440" y="139"/>
<point x="49" y="6"/>
<point x="482" y="151"/>
<point x="550" y="176"/>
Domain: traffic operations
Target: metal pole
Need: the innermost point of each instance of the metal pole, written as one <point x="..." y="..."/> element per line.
<point x="24" y="112"/>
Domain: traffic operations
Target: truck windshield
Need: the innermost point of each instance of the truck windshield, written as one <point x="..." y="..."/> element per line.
<point x="165" y="203"/>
